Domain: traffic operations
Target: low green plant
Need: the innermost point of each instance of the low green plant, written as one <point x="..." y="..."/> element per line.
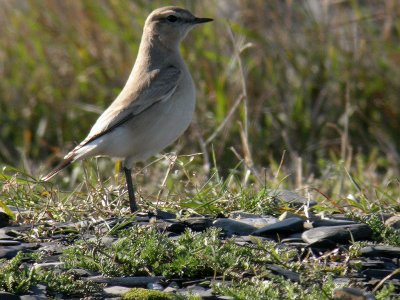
<point x="17" y="278"/>
<point x="381" y="233"/>
<point x="144" y="294"/>
<point x="276" y="288"/>
<point x="145" y="251"/>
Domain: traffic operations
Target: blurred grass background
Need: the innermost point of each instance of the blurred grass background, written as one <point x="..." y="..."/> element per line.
<point x="307" y="84"/>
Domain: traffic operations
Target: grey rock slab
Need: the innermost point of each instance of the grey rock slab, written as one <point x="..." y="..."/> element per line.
<point x="323" y="244"/>
<point x="161" y="214"/>
<point x="137" y="281"/>
<point x="288" y="215"/>
<point x="14" y="231"/>
<point x="292" y="276"/>
<point x="52" y="247"/>
<point x="291" y="225"/>
<point x="9" y="243"/>
<point x="393" y="221"/>
<point x="172" y="287"/>
<point x="342" y="281"/>
<point x="297" y="245"/>
<point x="4" y="236"/>
<point x="198" y="223"/>
<point x="331" y="222"/>
<point x="38" y="292"/>
<point x="258" y="222"/>
<point x="155" y="286"/>
<point x="380" y="251"/>
<point x="82" y="272"/>
<point x="171" y="226"/>
<point x="197" y="290"/>
<point x="10" y="251"/>
<point x="116" y="290"/>
<point x="169" y="289"/>
<point x="242" y="215"/>
<point x="379" y="273"/>
<point x="51" y="259"/>
<point x="376" y="264"/>
<point x="49" y="265"/>
<point x="233" y="227"/>
<point x="292" y="240"/>
<point x="337" y="234"/>
<point x="347" y="293"/>
<point x="8" y="296"/>
<point x="31" y="297"/>
<point x="290" y="197"/>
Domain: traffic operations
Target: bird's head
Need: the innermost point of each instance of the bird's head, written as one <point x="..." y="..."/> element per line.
<point x="171" y="24"/>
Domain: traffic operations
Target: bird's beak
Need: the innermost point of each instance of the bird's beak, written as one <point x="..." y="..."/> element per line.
<point x="201" y="20"/>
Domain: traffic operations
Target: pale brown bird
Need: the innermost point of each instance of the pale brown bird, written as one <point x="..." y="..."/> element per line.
<point x="156" y="104"/>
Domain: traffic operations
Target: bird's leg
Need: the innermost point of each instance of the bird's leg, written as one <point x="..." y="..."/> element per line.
<point x="131" y="190"/>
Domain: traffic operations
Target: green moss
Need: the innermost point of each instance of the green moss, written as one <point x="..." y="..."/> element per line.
<point x="144" y="294"/>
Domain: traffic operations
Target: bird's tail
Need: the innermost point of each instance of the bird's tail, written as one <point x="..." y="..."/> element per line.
<point x="65" y="163"/>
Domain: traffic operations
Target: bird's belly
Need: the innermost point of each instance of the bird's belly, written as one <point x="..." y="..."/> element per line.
<point x="150" y="132"/>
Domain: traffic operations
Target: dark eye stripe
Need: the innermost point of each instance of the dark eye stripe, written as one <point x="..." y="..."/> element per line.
<point x="172" y="18"/>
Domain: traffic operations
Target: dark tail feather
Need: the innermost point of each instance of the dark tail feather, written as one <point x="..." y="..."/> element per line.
<point x="65" y="163"/>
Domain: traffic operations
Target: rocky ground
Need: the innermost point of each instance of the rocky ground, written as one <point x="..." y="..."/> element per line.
<point x="313" y="238"/>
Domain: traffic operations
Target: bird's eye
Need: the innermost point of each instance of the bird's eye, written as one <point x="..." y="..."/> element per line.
<point x="172" y="18"/>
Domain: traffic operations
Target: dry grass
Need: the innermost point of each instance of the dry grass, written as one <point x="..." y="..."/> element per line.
<point x="290" y="95"/>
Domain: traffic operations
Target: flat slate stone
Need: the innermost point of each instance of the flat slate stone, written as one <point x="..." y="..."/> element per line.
<point x="258" y="222"/>
<point x="10" y="251"/>
<point x="161" y="214"/>
<point x="116" y="290"/>
<point x="155" y="286"/>
<point x="347" y="293"/>
<point x="376" y="264"/>
<point x="338" y="234"/>
<point x="287" y="226"/>
<point x="82" y="272"/>
<point x="242" y="215"/>
<point x="379" y="273"/>
<point x="9" y="243"/>
<point x="49" y="265"/>
<point x="293" y="240"/>
<point x="291" y="198"/>
<point x="137" y="281"/>
<point x="288" y="215"/>
<point x="322" y="244"/>
<point x="31" y="297"/>
<point x="8" y="296"/>
<point x="196" y="290"/>
<point x="292" y="276"/>
<point x="233" y="227"/>
<point x="393" y="221"/>
<point x="198" y="223"/>
<point x="381" y="251"/>
<point x="37" y="292"/>
<point x="331" y="222"/>
<point x="170" y="226"/>
<point x="14" y="231"/>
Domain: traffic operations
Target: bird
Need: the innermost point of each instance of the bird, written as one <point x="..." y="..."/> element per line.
<point x="155" y="106"/>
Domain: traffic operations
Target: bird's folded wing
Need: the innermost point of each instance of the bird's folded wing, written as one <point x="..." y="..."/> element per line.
<point x="154" y="87"/>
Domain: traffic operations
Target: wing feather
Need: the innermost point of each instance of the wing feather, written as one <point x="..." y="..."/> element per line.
<point x="157" y="86"/>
